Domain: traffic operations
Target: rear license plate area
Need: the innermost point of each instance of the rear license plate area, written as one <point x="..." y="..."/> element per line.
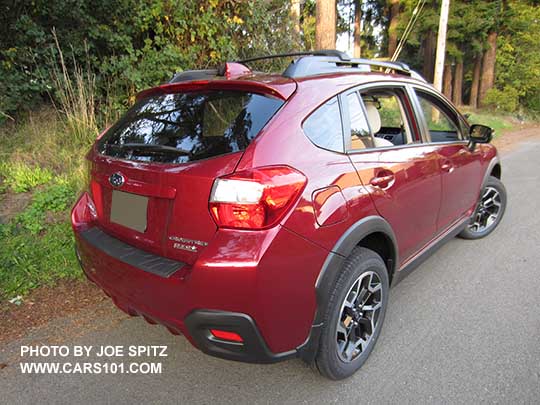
<point x="129" y="210"/>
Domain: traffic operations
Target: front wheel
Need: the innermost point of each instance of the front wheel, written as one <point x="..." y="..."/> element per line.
<point x="489" y="211"/>
<point x="354" y="315"/>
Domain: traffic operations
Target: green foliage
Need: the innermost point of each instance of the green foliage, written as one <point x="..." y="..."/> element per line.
<point x="128" y="44"/>
<point x="505" y="100"/>
<point x="53" y="199"/>
<point x="518" y="59"/>
<point x="19" y="177"/>
<point x="28" y="261"/>
<point x="37" y="245"/>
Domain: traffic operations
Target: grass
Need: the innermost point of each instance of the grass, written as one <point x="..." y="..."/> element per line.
<point x="36" y="245"/>
<point x="500" y="122"/>
<point x="20" y="177"/>
<point x="43" y="153"/>
<point x="27" y="261"/>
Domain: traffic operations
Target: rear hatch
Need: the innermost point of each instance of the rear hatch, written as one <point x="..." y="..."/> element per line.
<point x="153" y="171"/>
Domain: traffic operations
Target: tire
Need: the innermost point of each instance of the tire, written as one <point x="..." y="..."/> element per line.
<point x="363" y="266"/>
<point x="482" y="221"/>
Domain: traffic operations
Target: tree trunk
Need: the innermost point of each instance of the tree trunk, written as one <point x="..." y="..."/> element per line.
<point x="488" y="67"/>
<point x="457" y="95"/>
<point x="295" y="16"/>
<point x="473" y="99"/>
<point x="429" y="56"/>
<point x="447" y="81"/>
<point x="357" y="26"/>
<point x="325" y="28"/>
<point x="393" y="18"/>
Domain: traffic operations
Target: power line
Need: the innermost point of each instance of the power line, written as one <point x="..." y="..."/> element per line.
<point x="408" y="29"/>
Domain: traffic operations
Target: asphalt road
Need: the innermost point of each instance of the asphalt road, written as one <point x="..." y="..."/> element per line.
<point x="463" y="328"/>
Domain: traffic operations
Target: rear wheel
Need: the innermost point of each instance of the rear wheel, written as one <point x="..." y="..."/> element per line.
<point x="489" y="210"/>
<point x="354" y="316"/>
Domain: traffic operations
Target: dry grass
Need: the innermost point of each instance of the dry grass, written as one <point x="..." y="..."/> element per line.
<point x="56" y="137"/>
<point x="75" y="93"/>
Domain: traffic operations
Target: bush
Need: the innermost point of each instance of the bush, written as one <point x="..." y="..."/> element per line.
<point x="505" y="100"/>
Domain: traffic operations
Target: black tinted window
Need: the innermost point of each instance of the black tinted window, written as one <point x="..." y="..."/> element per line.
<point x="323" y="127"/>
<point x="183" y="127"/>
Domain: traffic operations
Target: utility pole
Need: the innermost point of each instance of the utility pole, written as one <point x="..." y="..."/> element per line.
<point x="441" y="46"/>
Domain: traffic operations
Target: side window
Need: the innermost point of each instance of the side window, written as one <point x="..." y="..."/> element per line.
<point x="442" y="123"/>
<point x="387" y="117"/>
<point x="323" y="126"/>
<point x="360" y="135"/>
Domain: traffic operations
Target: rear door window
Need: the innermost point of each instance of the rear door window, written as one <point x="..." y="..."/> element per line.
<point x="185" y="127"/>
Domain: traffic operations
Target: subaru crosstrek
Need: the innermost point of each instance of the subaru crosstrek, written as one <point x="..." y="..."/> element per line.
<point x="265" y="216"/>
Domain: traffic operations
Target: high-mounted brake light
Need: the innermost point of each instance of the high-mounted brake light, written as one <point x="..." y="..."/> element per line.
<point x="255" y="199"/>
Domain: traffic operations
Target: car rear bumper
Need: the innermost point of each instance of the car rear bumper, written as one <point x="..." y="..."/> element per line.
<point x="267" y="297"/>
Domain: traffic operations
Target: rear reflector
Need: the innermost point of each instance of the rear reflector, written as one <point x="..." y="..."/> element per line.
<point x="255" y="199"/>
<point x="226" y="335"/>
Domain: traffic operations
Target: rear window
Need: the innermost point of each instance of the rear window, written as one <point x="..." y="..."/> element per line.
<point x="184" y="127"/>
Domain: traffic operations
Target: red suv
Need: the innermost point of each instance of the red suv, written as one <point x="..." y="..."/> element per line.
<point x="266" y="216"/>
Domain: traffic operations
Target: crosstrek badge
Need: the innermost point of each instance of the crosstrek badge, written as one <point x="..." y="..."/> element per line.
<point x="191" y="245"/>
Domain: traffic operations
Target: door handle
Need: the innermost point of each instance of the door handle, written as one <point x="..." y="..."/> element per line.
<point x="447" y="166"/>
<point x="382" y="181"/>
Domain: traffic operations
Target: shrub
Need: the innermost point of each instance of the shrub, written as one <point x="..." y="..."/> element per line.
<point x="505" y="100"/>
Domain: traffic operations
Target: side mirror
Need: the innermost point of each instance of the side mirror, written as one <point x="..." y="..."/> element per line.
<point x="480" y="134"/>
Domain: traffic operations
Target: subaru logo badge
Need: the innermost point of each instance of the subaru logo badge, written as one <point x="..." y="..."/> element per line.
<point x="117" y="180"/>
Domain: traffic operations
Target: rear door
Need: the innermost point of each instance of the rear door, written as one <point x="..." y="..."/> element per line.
<point x="460" y="167"/>
<point x="401" y="174"/>
<point x="153" y="171"/>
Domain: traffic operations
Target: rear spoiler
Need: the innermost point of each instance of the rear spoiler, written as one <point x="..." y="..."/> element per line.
<point x="229" y="76"/>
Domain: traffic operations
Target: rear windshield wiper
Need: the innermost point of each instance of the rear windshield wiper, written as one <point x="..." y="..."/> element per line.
<point x="150" y="147"/>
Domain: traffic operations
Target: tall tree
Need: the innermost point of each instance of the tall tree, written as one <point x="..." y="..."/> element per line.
<point x="488" y="67"/>
<point x="394" y="9"/>
<point x="325" y="30"/>
<point x="357" y="51"/>
<point x="477" y="70"/>
<point x="429" y="43"/>
<point x="447" y="80"/>
<point x="457" y="88"/>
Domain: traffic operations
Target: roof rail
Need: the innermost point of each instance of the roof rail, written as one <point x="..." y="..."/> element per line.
<point x="315" y="65"/>
<point x="324" y="61"/>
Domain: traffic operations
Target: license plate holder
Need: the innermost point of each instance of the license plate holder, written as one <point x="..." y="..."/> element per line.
<point x="129" y="210"/>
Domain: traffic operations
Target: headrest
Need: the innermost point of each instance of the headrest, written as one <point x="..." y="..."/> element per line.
<point x="373" y="116"/>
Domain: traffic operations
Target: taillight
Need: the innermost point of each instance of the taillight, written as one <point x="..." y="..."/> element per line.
<point x="255" y="199"/>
